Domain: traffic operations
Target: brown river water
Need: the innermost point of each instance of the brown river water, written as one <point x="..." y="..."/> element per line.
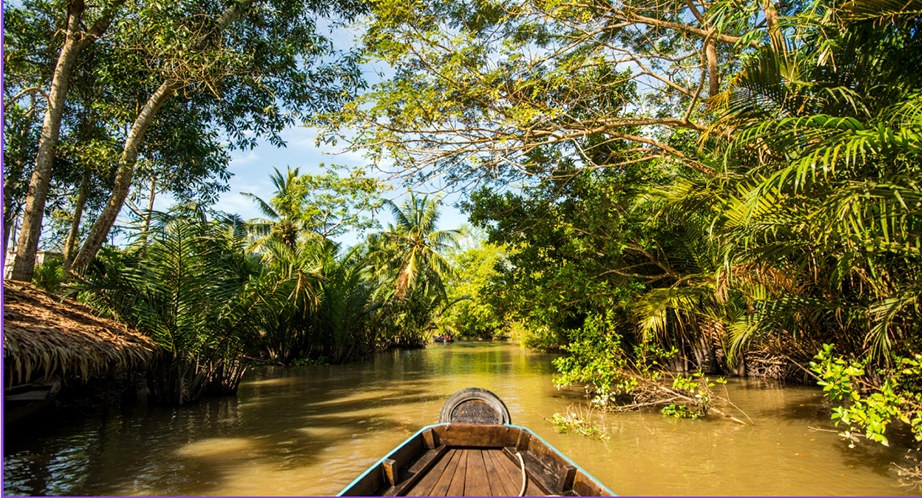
<point x="312" y="430"/>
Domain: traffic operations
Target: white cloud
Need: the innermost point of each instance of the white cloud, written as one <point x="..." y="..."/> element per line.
<point x="250" y="157"/>
<point x="299" y="137"/>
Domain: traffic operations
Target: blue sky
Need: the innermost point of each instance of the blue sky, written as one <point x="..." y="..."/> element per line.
<point x="251" y="168"/>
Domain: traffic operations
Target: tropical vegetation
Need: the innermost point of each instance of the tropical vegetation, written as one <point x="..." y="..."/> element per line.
<point x="732" y="185"/>
<point x="668" y="192"/>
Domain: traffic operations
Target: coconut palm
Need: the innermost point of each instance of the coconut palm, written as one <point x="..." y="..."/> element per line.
<point x="283" y="220"/>
<point x="411" y="250"/>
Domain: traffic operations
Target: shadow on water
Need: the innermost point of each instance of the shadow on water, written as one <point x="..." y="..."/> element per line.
<point x="311" y="430"/>
<point x="282" y="419"/>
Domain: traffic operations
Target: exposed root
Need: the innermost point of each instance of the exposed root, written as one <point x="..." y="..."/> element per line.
<point x="911" y="476"/>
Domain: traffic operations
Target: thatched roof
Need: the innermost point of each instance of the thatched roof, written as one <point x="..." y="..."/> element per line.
<point x="43" y="334"/>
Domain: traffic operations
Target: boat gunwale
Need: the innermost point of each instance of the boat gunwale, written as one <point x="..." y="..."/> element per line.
<point x="380" y="462"/>
<point x="385" y="457"/>
<point x="565" y="457"/>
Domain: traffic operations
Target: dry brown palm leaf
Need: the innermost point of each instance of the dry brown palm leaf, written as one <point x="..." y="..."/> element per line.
<point x="46" y="335"/>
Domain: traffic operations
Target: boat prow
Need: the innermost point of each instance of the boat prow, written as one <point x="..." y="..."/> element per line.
<point x="475" y="451"/>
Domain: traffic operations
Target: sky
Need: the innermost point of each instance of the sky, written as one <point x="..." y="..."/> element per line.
<point x="251" y="168"/>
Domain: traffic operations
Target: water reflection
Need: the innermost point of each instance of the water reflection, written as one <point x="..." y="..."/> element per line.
<point x="311" y="430"/>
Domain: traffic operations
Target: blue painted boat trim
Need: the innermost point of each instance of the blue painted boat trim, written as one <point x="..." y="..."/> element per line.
<point x="565" y="457"/>
<point x="385" y="457"/>
<point x="419" y="432"/>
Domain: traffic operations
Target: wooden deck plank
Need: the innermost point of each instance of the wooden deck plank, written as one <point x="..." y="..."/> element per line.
<point x="476" y="481"/>
<point x="425" y="485"/>
<point x="513" y="476"/>
<point x="500" y="482"/>
<point x="531" y="489"/>
<point x="444" y="481"/>
<point x="457" y="481"/>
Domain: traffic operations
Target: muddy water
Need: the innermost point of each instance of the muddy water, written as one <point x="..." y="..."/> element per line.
<point x="311" y="430"/>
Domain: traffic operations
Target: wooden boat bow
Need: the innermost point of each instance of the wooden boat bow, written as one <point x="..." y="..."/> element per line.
<point x="459" y="457"/>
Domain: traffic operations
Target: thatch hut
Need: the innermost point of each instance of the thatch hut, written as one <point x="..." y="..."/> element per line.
<point x="44" y="335"/>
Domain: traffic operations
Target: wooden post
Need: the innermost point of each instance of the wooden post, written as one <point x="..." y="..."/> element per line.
<point x="390" y="471"/>
<point x="566" y="479"/>
<point x="429" y="438"/>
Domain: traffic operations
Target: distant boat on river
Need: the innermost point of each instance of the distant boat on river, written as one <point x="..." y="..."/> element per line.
<point x="445" y="338"/>
<point x="475" y="451"/>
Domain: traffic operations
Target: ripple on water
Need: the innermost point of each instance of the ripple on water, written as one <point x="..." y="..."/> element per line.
<point x="227" y="447"/>
<point x="312" y="430"/>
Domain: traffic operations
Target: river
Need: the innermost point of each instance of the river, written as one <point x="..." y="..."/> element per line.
<point x="311" y="430"/>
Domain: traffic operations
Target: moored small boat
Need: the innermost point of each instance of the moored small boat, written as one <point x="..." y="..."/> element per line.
<point x="21" y="401"/>
<point x="475" y="451"/>
<point x="445" y="338"/>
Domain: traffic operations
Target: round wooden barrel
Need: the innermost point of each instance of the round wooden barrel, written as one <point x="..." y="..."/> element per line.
<point x="475" y="406"/>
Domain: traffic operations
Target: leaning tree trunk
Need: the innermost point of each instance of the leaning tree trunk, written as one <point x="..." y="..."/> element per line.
<point x="37" y="195"/>
<point x="127" y="162"/>
<point x="75" y="41"/>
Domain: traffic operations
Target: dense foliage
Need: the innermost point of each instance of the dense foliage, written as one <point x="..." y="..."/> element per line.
<point x="216" y="296"/>
<point x="477" y="306"/>
<point x="736" y="182"/>
<point x="669" y="190"/>
<point x="192" y="290"/>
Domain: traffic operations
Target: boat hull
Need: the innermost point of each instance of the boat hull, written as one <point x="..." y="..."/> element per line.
<point x="22" y="402"/>
<point x="464" y="459"/>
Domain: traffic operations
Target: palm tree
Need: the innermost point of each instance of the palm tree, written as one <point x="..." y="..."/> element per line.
<point x="295" y="274"/>
<point x="411" y="250"/>
<point x="822" y="189"/>
<point x="346" y="304"/>
<point x="194" y="293"/>
<point x="283" y="213"/>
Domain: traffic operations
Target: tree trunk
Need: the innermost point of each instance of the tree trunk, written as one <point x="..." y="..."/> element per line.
<point x="9" y="219"/>
<point x="75" y="42"/>
<point x="103" y="225"/>
<point x="710" y="49"/>
<point x="771" y="21"/>
<point x="11" y="172"/>
<point x="71" y="242"/>
<point x="150" y="213"/>
<point x="126" y="164"/>
<point x="51" y="131"/>
<point x="6" y="237"/>
<point x="9" y="231"/>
